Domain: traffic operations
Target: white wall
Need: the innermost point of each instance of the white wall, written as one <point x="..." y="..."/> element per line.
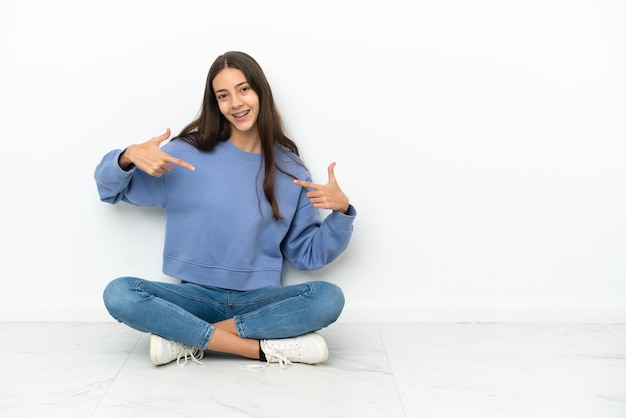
<point x="482" y="143"/>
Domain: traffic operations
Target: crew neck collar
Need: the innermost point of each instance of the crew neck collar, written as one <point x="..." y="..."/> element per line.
<point x="239" y="153"/>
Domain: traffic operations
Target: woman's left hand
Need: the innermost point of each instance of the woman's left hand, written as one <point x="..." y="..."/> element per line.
<point x="326" y="196"/>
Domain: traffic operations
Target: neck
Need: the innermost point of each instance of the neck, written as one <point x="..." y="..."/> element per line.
<point x="249" y="142"/>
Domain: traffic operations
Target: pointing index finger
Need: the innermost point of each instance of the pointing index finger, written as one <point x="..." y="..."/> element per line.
<point x="182" y="163"/>
<point x="304" y="184"/>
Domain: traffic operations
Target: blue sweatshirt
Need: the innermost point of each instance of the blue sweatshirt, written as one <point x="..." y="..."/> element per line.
<point x="220" y="230"/>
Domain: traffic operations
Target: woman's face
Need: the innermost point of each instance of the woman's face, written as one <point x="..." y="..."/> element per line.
<point x="237" y="101"/>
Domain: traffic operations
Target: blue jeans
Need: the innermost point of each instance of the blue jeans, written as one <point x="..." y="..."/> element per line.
<point x="186" y="312"/>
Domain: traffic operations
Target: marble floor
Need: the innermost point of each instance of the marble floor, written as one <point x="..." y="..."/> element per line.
<point x="374" y="370"/>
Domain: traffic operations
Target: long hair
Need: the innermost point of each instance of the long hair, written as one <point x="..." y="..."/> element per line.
<point x="211" y="127"/>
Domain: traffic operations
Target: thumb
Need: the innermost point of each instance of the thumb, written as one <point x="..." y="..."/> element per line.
<point x="162" y="137"/>
<point x="331" y="173"/>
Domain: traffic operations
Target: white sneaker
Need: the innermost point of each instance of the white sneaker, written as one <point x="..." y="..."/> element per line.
<point x="309" y="348"/>
<point x="164" y="351"/>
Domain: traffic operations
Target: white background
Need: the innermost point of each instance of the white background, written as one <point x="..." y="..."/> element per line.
<point x="482" y="143"/>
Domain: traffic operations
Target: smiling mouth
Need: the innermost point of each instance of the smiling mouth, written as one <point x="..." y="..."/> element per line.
<point x="241" y="115"/>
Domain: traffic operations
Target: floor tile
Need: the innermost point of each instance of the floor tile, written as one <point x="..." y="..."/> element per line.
<point x="514" y="407"/>
<point x="619" y="330"/>
<point x="245" y="405"/>
<point x="43" y="374"/>
<point x="395" y="370"/>
<point x="502" y="339"/>
<point x="29" y="406"/>
<point x="68" y="338"/>
<point x="499" y="374"/>
<point x="353" y="339"/>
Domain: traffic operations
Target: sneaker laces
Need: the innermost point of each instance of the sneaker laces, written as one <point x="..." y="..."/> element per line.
<point x="279" y="356"/>
<point x="271" y="353"/>
<point x="188" y="352"/>
<point x="309" y="348"/>
<point x="275" y="354"/>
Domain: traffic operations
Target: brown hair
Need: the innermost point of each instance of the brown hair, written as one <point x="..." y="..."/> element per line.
<point x="211" y="127"/>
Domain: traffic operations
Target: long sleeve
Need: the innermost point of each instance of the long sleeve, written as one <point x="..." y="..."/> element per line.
<point x="310" y="243"/>
<point x="132" y="186"/>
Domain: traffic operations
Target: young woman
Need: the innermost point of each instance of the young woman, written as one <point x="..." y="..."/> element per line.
<point x="240" y="203"/>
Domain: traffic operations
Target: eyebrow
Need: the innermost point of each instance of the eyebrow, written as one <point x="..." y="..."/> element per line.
<point x="236" y="85"/>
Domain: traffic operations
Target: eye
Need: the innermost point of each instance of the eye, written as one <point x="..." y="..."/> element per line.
<point x="221" y="96"/>
<point x="245" y="89"/>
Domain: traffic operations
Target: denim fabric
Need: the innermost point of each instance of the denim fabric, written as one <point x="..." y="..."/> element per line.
<point x="186" y="312"/>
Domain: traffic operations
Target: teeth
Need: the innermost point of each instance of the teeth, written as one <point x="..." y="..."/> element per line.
<point x="238" y="115"/>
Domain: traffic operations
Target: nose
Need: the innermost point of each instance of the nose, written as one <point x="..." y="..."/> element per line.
<point x="236" y="101"/>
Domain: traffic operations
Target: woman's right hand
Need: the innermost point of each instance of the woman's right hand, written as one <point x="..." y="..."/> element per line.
<point x="150" y="158"/>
